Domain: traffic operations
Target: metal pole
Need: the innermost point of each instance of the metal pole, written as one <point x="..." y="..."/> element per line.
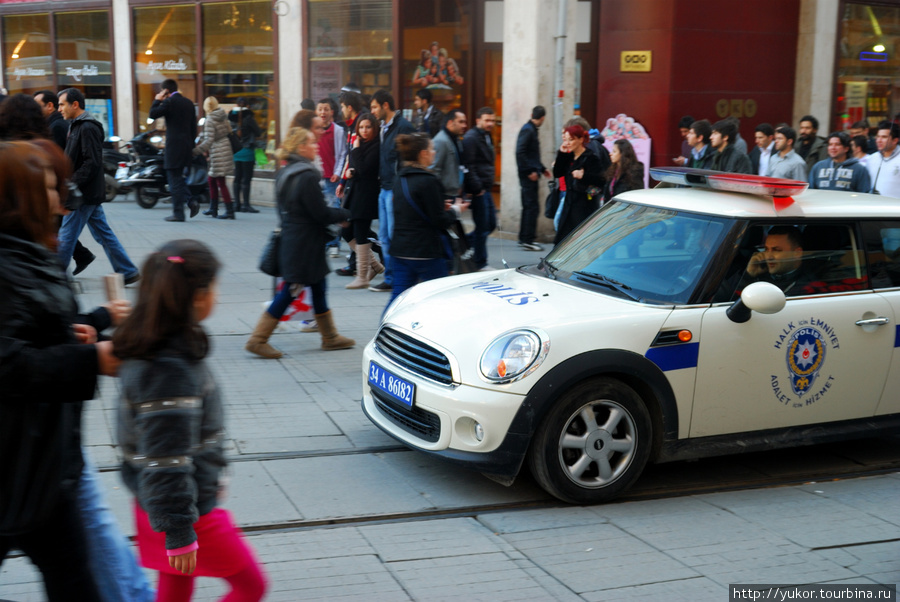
<point x="559" y="92"/>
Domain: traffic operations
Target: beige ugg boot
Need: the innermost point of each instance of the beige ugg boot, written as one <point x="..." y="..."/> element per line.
<point x="331" y="340"/>
<point x="258" y="342"/>
<point x="363" y="267"/>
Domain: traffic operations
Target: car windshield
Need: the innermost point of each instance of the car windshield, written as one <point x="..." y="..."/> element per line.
<point x="643" y="253"/>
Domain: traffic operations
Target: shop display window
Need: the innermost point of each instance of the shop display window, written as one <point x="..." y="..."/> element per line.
<point x="84" y="61"/>
<point x="27" y="50"/>
<point x="349" y="41"/>
<point x="868" y="65"/>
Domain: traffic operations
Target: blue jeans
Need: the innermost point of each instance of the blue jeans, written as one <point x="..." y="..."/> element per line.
<point x="178" y="188"/>
<point x="331" y="200"/>
<point x="94" y="218"/>
<point x="410" y="272"/>
<point x="485" y="217"/>
<point x="385" y="230"/>
<point x="112" y="563"/>
<point x="284" y="298"/>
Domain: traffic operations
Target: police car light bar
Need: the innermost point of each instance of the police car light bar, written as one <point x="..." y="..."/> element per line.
<point x="730" y="182"/>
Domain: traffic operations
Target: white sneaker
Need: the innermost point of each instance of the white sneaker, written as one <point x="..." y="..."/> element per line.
<point x="334" y="251"/>
<point x="309" y="326"/>
<point x="531" y="246"/>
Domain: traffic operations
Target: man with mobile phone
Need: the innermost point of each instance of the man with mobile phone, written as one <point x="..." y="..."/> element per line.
<point x="181" y="130"/>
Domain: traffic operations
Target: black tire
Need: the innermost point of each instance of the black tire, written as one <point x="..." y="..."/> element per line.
<point x="608" y="436"/>
<point x="147" y="201"/>
<point x="112" y="187"/>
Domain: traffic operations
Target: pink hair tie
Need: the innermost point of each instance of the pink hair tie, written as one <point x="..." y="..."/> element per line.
<point x="175" y="259"/>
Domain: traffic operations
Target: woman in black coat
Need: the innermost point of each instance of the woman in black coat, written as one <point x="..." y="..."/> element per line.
<point x="421" y="216"/>
<point x="625" y="173"/>
<point x="584" y="180"/>
<point x="46" y="372"/>
<point x="361" y="198"/>
<point x="304" y="218"/>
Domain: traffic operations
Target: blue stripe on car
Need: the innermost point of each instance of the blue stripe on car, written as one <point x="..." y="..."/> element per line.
<point x="897" y="337"/>
<point x="674" y="357"/>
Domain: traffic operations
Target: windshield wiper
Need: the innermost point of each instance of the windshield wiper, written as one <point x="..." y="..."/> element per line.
<point x="549" y="268"/>
<point x="609" y="283"/>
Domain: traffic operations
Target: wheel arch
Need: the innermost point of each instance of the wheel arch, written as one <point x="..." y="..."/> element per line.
<point x="634" y="370"/>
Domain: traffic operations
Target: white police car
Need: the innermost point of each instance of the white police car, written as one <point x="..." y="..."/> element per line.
<point x="728" y="314"/>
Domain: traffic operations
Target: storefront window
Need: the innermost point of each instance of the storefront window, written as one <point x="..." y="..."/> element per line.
<point x="84" y="61"/>
<point x="238" y="61"/>
<point x="868" y="68"/>
<point x="27" y="48"/>
<point x="165" y="47"/>
<point x="349" y="41"/>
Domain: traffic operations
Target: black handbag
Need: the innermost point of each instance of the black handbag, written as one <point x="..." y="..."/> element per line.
<point x="551" y="205"/>
<point x="235" y="142"/>
<point x="268" y="261"/>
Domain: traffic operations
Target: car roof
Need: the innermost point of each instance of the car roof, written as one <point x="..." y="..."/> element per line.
<point x="808" y="204"/>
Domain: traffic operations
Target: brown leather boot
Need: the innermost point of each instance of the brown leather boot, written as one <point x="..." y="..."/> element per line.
<point x="331" y="340"/>
<point x="258" y="342"/>
<point x="363" y="271"/>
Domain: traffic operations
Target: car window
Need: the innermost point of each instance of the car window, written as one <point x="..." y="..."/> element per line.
<point x="656" y="255"/>
<point x="882" y="240"/>
<point x="805" y="258"/>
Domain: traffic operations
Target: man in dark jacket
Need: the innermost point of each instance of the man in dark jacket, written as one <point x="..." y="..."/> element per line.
<point x="811" y="147"/>
<point x="478" y="157"/>
<point x="429" y="118"/>
<point x="528" y="161"/>
<point x="59" y="131"/>
<point x="392" y="125"/>
<point x="728" y="157"/>
<point x="702" y="153"/>
<point x="181" y="130"/>
<point x="85" y="149"/>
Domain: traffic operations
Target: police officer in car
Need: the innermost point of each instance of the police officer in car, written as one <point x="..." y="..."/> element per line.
<point x="780" y="262"/>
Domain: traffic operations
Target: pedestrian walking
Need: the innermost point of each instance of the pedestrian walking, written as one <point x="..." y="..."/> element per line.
<point x="478" y="158"/>
<point x="304" y="217"/>
<point x="85" y="149"/>
<point x="214" y="141"/>
<point x="181" y="130"/>
<point x="528" y="161"/>
<point x="361" y="198"/>
<point x="171" y="430"/>
<point x="244" y="124"/>
<point x="583" y="180"/>
<point x="421" y="215"/>
<point x="45" y="376"/>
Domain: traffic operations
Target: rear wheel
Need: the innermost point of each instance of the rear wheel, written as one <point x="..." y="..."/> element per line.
<point x="593" y="444"/>
<point x="144" y="199"/>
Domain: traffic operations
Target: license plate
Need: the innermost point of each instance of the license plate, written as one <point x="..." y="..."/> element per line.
<point x="389" y="383"/>
<point x="121" y="173"/>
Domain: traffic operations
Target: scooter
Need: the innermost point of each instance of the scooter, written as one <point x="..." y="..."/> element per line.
<point x="150" y="183"/>
<point x="113" y="163"/>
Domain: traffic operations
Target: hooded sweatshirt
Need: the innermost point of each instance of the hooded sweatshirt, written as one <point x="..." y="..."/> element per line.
<point x="849" y="176"/>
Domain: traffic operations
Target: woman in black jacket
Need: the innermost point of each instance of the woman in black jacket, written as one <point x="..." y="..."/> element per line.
<point x="47" y="368"/>
<point x="304" y="217"/>
<point x="361" y="198"/>
<point x="584" y="180"/>
<point x="244" y="124"/>
<point x="625" y="173"/>
<point x="421" y="216"/>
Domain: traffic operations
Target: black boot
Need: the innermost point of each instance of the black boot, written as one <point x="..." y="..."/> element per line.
<point x="350" y="269"/>
<point x="250" y="209"/>
<point x="229" y="211"/>
<point x="83" y="258"/>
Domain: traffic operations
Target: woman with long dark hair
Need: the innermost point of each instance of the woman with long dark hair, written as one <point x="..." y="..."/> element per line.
<point x="361" y="198"/>
<point x="625" y="173"/>
<point x="583" y="180"/>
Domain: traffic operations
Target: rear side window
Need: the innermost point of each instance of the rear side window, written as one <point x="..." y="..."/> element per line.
<point x="804" y="258"/>
<point x="882" y="240"/>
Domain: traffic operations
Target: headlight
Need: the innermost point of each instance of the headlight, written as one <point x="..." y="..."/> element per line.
<point x="513" y="355"/>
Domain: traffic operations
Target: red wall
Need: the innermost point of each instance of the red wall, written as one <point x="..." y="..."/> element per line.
<point x="704" y="51"/>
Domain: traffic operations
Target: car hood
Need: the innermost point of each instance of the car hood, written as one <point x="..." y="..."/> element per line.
<point x="465" y="313"/>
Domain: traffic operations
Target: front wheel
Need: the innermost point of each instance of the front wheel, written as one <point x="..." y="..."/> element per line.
<point x="144" y="199"/>
<point x="593" y="444"/>
<point x="112" y="187"/>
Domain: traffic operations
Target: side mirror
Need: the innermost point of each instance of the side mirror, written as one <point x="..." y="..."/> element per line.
<point x="762" y="297"/>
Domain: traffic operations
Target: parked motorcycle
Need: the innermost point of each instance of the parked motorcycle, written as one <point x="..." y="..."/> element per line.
<point x="114" y="161"/>
<point x="150" y="184"/>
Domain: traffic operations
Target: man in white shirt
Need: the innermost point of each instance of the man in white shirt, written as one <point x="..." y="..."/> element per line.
<point x="884" y="166"/>
<point x="765" y="146"/>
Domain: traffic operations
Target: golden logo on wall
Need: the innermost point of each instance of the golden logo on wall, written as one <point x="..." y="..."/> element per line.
<point x="736" y="107"/>
<point x="636" y="60"/>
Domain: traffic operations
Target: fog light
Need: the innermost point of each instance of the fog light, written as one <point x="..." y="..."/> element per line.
<point x="479" y="432"/>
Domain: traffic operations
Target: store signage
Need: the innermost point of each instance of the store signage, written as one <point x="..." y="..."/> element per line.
<point x="156" y="67"/>
<point x="86" y="71"/>
<point x="736" y="107"/>
<point x="20" y="72"/>
<point x="636" y="61"/>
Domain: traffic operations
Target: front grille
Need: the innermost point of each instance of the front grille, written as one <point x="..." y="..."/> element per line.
<point x="416" y="421"/>
<point x="414" y="355"/>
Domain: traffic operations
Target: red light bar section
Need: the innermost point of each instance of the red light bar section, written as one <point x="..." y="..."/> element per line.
<point x="730" y="182"/>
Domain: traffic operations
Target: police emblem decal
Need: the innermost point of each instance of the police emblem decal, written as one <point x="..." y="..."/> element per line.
<point x="805" y="356"/>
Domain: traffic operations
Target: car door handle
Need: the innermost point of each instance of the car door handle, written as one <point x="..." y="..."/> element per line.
<point x="873" y="322"/>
